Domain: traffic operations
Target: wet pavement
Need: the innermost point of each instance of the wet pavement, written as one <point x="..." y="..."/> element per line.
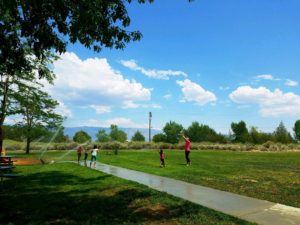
<point x="250" y="209"/>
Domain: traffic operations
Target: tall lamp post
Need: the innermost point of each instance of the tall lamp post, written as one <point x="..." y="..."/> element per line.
<point x="150" y="116"/>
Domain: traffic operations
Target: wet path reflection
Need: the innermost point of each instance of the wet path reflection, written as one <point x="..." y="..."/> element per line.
<point x="255" y="210"/>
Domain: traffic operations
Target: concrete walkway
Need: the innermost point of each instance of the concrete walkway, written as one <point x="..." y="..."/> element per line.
<point x="246" y="208"/>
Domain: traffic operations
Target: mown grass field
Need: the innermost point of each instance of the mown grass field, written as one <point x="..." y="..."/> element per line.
<point x="65" y="193"/>
<point x="270" y="176"/>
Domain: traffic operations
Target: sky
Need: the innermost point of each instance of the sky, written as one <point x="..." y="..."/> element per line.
<point x="210" y="61"/>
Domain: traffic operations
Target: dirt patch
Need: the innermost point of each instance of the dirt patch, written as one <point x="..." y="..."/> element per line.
<point x="27" y="161"/>
<point x="155" y="211"/>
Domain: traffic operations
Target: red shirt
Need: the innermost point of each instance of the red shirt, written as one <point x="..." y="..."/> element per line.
<point x="187" y="145"/>
<point x="162" y="156"/>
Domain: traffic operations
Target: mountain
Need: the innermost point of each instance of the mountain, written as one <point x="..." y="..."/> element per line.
<point x="92" y="131"/>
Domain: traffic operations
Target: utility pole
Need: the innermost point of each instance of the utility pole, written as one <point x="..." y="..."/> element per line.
<point x="150" y="116"/>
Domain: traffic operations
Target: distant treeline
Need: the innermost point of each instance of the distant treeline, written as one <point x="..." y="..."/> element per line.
<point x="171" y="133"/>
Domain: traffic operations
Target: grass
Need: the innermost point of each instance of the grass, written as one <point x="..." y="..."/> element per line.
<point x="269" y="176"/>
<point x="69" y="194"/>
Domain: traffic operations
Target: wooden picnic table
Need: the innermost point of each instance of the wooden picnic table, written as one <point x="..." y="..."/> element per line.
<point x="6" y="166"/>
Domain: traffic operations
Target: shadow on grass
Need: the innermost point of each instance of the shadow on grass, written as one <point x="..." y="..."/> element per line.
<point x="56" y="197"/>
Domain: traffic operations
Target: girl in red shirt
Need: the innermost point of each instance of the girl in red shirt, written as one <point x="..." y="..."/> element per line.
<point x="187" y="149"/>
<point x="162" y="158"/>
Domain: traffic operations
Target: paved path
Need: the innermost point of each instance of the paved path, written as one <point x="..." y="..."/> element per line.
<point x="250" y="209"/>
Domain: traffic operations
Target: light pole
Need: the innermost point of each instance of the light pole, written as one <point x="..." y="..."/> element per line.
<point x="150" y="116"/>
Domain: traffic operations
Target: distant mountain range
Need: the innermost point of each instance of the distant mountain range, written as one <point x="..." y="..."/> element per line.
<point x="92" y="131"/>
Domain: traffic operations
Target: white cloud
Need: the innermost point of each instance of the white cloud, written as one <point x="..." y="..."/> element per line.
<point x="101" y="108"/>
<point x="266" y="77"/>
<point x="93" y="81"/>
<point x="153" y="73"/>
<point x="63" y="110"/>
<point x="271" y="104"/>
<point x="193" y="92"/>
<point x="119" y="121"/>
<point x="291" y="83"/>
<point x="132" y="105"/>
<point x="167" y="96"/>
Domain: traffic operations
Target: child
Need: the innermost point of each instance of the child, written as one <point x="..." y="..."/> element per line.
<point x="86" y="153"/>
<point x="187" y="148"/>
<point x="79" y="151"/>
<point x="94" y="156"/>
<point x="162" y="158"/>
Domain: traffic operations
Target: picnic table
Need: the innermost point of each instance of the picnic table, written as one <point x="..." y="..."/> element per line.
<point x="6" y="166"/>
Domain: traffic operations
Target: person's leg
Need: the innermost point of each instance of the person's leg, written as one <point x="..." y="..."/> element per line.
<point x="188" y="157"/>
<point x="91" y="161"/>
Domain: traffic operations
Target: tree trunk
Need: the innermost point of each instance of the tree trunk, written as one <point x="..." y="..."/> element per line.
<point x="3" y="110"/>
<point x="1" y="139"/>
<point x="28" y="141"/>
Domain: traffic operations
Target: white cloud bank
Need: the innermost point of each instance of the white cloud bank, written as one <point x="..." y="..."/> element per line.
<point x="153" y="73"/>
<point x="193" y="92"/>
<point x="271" y="104"/>
<point x="94" y="83"/>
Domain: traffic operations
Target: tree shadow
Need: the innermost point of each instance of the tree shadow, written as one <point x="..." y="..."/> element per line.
<point x="57" y="197"/>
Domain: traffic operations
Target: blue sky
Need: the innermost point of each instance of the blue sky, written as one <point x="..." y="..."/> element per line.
<point x="210" y="61"/>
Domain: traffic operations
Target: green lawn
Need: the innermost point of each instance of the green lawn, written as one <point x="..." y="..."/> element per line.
<point x="69" y="194"/>
<point x="270" y="176"/>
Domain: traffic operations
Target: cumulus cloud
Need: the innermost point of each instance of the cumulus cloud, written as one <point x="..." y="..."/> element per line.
<point x="119" y="121"/>
<point x="93" y="82"/>
<point x="153" y="73"/>
<point x="63" y="110"/>
<point x="193" y="92"/>
<point x="271" y="104"/>
<point x="266" y="77"/>
<point x="291" y="83"/>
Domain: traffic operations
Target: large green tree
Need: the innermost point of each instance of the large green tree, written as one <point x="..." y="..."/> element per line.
<point x="12" y="85"/>
<point x="240" y="131"/>
<point x="38" y="110"/>
<point x="172" y="131"/>
<point x="297" y="130"/>
<point x="116" y="134"/>
<point x="200" y="132"/>
<point x="282" y="135"/>
<point x="102" y="136"/>
<point x="81" y="137"/>
<point x="159" y="138"/>
<point x="50" y="25"/>
<point x="138" y="136"/>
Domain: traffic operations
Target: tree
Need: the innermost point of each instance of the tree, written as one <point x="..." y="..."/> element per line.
<point x="116" y="134"/>
<point x="37" y="109"/>
<point x="240" y="131"/>
<point x="81" y="137"/>
<point x="159" y="138"/>
<point x="35" y="28"/>
<point x="138" y="136"/>
<point x="282" y="135"/>
<point x="12" y="85"/>
<point x="102" y="136"/>
<point x="172" y="131"/>
<point x="44" y="26"/>
<point x="297" y="130"/>
<point x="198" y="133"/>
